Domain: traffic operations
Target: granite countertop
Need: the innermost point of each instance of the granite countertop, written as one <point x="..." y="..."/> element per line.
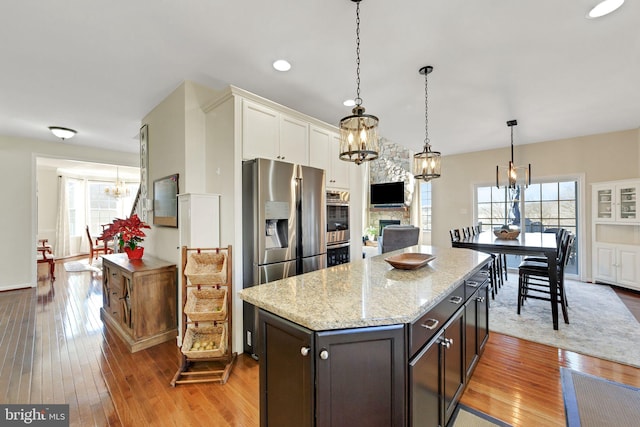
<point x="367" y="292"/>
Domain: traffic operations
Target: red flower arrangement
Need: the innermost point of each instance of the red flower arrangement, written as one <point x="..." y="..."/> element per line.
<point x="128" y="232"/>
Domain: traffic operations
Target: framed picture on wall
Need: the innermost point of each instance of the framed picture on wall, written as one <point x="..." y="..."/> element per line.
<point x="144" y="173"/>
<point x="165" y="201"/>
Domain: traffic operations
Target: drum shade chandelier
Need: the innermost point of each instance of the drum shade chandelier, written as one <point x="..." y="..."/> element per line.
<point x="359" y="131"/>
<point x="513" y="176"/>
<point x="426" y="164"/>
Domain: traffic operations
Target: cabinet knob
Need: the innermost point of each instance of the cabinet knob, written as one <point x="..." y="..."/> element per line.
<point x="304" y="351"/>
<point x="324" y="355"/>
<point x="445" y="343"/>
<point x="480" y="299"/>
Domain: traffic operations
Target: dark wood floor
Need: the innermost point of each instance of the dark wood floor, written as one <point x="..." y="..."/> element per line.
<point x="55" y="349"/>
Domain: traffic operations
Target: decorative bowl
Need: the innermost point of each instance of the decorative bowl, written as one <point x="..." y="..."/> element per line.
<point x="511" y="234"/>
<point x="409" y="261"/>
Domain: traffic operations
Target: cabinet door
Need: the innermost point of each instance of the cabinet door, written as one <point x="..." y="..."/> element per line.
<point x="339" y="174"/>
<point x="604" y="260"/>
<point x="471" y="338"/>
<point x="626" y="202"/>
<point x="424" y="390"/>
<point x="360" y="377"/>
<point x="454" y="373"/>
<point x="294" y="141"/>
<point x="286" y="373"/>
<point x="628" y="266"/>
<point x="111" y="300"/>
<point x="319" y="149"/>
<point x="260" y="131"/>
<point x="604" y="204"/>
<point x="482" y="315"/>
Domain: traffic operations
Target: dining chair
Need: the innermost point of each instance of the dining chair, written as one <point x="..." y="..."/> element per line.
<point x="455" y="234"/>
<point x="398" y="236"/>
<point x="97" y="247"/>
<point x="533" y="280"/>
<point x="466" y="232"/>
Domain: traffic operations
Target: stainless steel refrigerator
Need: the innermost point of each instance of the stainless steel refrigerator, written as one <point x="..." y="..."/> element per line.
<point x="283" y="227"/>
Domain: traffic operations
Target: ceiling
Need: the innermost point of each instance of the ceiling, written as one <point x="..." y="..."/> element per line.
<point x="100" y="67"/>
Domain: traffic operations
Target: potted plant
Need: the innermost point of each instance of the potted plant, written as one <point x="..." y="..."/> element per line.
<point x="371" y="232"/>
<point x="129" y="234"/>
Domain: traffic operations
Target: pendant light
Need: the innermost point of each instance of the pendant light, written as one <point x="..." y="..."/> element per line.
<point x="426" y="164"/>
<point x="359" y="131"/>
<point x="513" y="176"/>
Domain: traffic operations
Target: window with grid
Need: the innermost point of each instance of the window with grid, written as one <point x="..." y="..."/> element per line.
<point x="425" y="206"/>
<point x="543" y="207"/>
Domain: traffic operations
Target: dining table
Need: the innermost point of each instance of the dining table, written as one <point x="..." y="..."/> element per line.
<point x="525" y="244"/>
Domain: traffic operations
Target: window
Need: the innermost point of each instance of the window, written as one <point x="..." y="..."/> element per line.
<point x="102" y="207"/>
<point x="425" y="206"/>
<point x="543" y="207"/>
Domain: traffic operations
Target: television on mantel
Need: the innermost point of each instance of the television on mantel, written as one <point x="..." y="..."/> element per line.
<point x="387" y="194"/>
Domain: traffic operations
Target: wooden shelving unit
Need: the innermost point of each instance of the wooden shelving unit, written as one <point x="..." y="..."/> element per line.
<point x="207" y="289"/>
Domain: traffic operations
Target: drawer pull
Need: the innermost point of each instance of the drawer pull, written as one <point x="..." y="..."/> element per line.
<point x="472" y="284"/>
<point x="434" y="323"/>
<point x="455" y="299"/>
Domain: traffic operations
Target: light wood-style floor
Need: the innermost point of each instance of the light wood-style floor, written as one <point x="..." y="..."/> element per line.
<point x="55" y="349"/>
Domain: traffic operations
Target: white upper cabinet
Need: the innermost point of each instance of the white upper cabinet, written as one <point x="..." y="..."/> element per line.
<point x="339" y="175"/>
<point x="270" y="134"/>
<point x="616" y="202"/>
<point x="320" y="149"/>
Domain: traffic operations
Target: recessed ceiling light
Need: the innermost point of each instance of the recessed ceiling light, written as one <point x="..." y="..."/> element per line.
<point x="349" y="103"/>
<point x="282" y="65"/>
<point x="605" y="7"/>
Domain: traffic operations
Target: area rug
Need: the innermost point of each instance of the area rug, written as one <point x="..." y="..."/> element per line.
<point x="594" y="401"/>
<point x="80" y="266"/>
<point x="469" y="417"/>
<point x="600" y="324"/>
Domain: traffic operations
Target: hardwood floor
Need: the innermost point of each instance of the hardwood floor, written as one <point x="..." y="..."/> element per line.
<point x="55" y="349"/>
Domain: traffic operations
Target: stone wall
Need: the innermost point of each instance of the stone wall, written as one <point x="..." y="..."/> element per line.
<point x="393" y="164"/>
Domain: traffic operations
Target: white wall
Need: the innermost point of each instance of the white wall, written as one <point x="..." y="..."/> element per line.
<point x="604" y="157"/>
<point x="18" y="214"/>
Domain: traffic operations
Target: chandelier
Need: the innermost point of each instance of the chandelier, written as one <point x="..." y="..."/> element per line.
<point x="359" y="131"/>
<point x="426" y="164"/>
<point x="119" y="189"/>
<point x="513" y="176"/>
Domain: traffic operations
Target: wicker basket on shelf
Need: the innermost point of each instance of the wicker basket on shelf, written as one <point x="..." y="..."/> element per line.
<point x="206" y="304"/>
<point x="506" y="234"/>
<point x="206" y="268"/>
<point x="204" y="341"/>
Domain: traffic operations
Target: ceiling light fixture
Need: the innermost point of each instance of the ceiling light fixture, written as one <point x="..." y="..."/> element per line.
<point x="426" y="164"/>
<point x="605" y="7"/>
<point x="513" y="176"/>
<point x="359" y="131"/>
<point x="119" y="189"/>
<point x="62" y="133"/>
<point x="282" y="65"/>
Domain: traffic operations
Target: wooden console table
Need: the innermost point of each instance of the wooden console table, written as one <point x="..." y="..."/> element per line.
<point x="139" y="300"/>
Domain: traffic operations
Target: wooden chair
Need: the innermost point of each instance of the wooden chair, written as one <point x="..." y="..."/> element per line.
<point x="97" y="247"/>
<point x="45" y="254"/>
<point x="533" y="279"/>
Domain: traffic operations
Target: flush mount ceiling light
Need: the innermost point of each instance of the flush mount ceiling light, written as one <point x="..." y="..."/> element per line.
<point x="513" y="176"/>
<point x="282" y="65"/>
<point x="359" y="131"/>
<point x="605" y="7"/>
<point x="426" y="164"/>
<point x="62" y="133"/>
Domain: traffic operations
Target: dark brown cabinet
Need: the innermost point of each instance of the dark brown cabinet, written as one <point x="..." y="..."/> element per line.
<point x="476" y="325"/>
<point x="334" y="378"/>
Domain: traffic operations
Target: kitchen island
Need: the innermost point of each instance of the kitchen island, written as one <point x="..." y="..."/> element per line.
<point x="364" y="343"/>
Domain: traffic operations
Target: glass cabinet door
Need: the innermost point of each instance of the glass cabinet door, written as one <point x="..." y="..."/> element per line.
<point x="627" y="202"/>
<point x="605" y="204"/>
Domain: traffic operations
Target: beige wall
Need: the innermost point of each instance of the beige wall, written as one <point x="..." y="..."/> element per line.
<point x="604" y="157"/>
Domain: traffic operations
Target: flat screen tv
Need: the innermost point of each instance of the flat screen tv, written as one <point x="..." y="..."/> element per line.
<point x="388" y="193"/>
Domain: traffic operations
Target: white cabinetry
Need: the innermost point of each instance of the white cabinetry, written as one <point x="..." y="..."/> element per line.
<point x="270" y="134"/>
<point x="324" y="147"/>
<point x="616" y="233"/>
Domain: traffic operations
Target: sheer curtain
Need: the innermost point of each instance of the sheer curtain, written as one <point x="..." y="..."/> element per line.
<point x="63" y="244"/>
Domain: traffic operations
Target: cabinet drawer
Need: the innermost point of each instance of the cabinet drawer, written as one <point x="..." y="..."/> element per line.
<point x="427" y="325"/>
<point x="476" y="281"/>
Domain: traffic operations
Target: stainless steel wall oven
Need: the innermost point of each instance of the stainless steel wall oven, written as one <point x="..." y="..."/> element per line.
<point x="338" y="233"/>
